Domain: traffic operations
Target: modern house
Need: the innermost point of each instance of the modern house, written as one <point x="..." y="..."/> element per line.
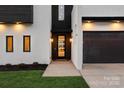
<point x="41" y="33"/>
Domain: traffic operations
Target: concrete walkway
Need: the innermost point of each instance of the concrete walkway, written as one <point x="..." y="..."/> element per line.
<point x="61" y="68"/>
<point x="104" y="75"/>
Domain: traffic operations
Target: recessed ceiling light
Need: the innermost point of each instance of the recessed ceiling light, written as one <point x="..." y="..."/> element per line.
<point x="118" y="21"/>
<point x="18" y="22"/>
<point x="88" y="21"/>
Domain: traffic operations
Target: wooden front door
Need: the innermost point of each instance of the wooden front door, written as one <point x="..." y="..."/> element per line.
<point x="61" y="46"/>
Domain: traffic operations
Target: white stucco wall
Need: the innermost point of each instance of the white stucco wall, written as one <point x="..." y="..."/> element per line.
<point x="77" y="59"/>
<point x="101" y="10"/>
<point x="40" y="35"/>
<point x="74" y="37"/>
<point x="92" y="11"/>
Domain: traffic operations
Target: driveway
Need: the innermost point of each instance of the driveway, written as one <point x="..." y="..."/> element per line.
<point x="104" y="75"/>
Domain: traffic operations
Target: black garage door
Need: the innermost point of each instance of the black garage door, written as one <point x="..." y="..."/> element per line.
<point x="103" y="47"/>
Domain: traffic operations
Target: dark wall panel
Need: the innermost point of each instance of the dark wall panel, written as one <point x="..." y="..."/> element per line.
<point x="103" y="47"/>
<point x="61" y="26"/>
<point x="16" y="13"/>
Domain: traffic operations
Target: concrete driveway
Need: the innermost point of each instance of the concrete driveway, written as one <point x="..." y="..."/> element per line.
<point x="104" y="75"/>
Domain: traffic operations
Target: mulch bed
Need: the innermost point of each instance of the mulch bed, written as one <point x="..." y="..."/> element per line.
<point x="34" y="66"/>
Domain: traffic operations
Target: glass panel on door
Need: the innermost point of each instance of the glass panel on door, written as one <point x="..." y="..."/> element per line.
<point x="61" y="46"/>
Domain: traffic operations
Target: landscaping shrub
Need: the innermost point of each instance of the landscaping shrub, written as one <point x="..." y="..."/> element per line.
<point x="22" y="66"/>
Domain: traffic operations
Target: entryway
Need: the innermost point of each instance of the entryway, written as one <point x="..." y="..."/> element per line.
<point x="61" y="46"/>
<point x="61" y="68"/>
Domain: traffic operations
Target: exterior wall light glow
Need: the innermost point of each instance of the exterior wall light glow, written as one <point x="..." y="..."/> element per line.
<point x="19" y="27"/>
<point x="88" y="21"/>
<point x="18" y="22"/>
<point x="88" y="25"/>
<point x="116" y="21"/>
<point x="51" y="40"/>
<point x="3" y="27"/>
<point x="70" y="40"/>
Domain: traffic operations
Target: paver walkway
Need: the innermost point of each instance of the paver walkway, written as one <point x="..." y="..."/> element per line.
<point x="61" y="68"/>
<point x="104" y="75"/>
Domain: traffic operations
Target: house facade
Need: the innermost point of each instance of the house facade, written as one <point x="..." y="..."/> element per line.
<point x="41" y="33"/>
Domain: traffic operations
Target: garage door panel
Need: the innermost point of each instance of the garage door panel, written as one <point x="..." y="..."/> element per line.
<point x="103" y="47"/>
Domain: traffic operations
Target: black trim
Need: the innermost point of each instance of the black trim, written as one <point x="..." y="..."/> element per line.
<point x="102" y="18"/>
<point x="109" y="31"/>
<point x="7" y="43"/>
<point x="64" y="25"/>
<point x="24" y="43"/>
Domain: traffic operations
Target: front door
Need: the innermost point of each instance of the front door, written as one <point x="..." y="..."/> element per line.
<point x="61" y="46"/>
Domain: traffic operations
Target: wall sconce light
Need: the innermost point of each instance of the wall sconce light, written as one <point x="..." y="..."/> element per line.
<point x="88" y="21"/>
<point x="18" y="22"/>
<point x="116" y="21"/>
<point x="70" y="39"/>
<point x="51" y="40"/>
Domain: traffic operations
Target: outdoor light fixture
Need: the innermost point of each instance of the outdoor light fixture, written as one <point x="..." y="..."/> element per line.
<point x="51" y="40"/>
<point x="70" y="40"/>
<point x="18" y="22"/>
<point x="88" y="21"/>
<point x="61" y="12"/>
<point x="116" y="21"/>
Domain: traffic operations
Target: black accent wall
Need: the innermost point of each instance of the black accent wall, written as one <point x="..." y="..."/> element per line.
<point x="61" y="26"/>
<point x="16" y="13"/>
<point x="103" y="47"/>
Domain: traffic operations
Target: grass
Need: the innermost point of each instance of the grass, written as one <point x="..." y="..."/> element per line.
<point x="33" y="79"/>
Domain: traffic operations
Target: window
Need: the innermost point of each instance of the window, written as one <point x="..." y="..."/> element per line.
<point x="26" y="43"/>
<point x="61" y="12"/>
<point x="9" y="43"/>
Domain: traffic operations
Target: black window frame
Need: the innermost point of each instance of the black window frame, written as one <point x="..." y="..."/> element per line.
<point x="24" y="50"/>
<point x="7" y="43"/>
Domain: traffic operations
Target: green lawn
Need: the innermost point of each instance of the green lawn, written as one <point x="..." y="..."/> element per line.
<point x="33" y="79"/>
